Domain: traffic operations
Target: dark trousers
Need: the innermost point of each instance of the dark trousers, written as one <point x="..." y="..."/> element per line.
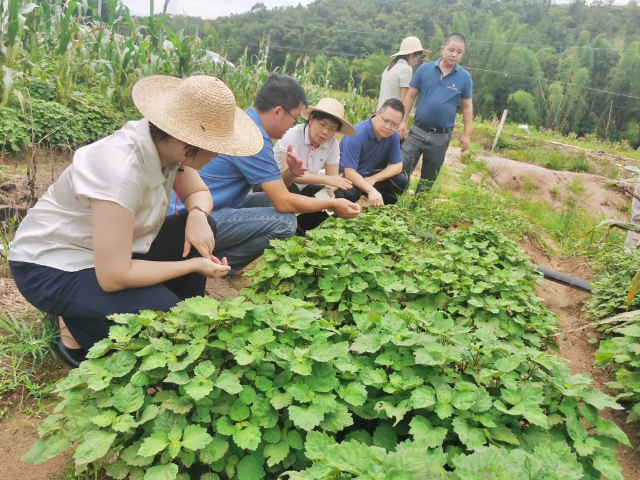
<point x="432" y="147"/>
<point x="390" y="189"/>
<point x="84" y="305"/>
<point x="311" y="220"/>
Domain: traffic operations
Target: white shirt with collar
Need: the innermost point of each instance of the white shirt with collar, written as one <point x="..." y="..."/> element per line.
<point x="123" y="168"/>
<point x="393" y="80"/>
<point x="328" y="153"/>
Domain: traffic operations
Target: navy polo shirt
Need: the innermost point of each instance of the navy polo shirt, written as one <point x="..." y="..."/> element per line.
<point x="363" y="152"/>
<point x="438" y="96"/>
<point x="230" y="178"/>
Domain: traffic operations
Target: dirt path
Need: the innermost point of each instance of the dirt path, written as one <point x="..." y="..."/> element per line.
<point x="17" y="433"/>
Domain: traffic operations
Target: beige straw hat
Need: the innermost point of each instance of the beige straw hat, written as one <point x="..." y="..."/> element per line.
<point x="410" y="45"/>
<point x="335" y="109"/>
<point x="200" y="111"/>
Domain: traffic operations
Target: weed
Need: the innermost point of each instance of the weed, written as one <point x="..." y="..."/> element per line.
<point x="579" y="164"/>
<point x="528" y="186"/>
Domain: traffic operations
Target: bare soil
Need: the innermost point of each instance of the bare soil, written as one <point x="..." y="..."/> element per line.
<point x="18" y="431"/>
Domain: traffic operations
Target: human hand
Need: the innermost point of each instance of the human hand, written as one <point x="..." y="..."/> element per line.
<point x="329" y="191"/>
<point x="346" y="209"/>
<point x="294" y="162"/>
<point x="375" y="198"/>
<point x="370" y="180"/>
<point x="338" y="181"/>
<point x="464" y="142"/>
<point x="211" y="267"/>
<point x="403" y="130"/>
<point x="198" y="234"/>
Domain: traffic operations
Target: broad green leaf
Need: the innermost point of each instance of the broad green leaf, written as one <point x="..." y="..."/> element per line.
<point x="261" y="337"/>
<point x="198" y="388"/>
<point x="95" y="446"/>
<point x="424" y="432"/>
<point x="214" y="451"/>
<point x="121" y="363"/>
<point x="306" y="418"/>
<point x="354" y="393"/>
<point x="281" y="400"/>
<point x="473" y="438"/>
<point x="204" y="369"/>
<point x="385" y="437"/>
<point x="195" y="437"/>
<point x="504" y="434"/>
<point x="294" y="440"/>
<point x="422" y="397"/>
<point x="45" y="448"/>
<point x="105" y="419"/>
<point x="162" y="472"/>
<point x="367" y="343"/>
<point x="600" y="400"/>
<point x="315" y="446"/>
<point x="128" y="398"/>
<point x="250" y="468"/>
<point x="248" y="437"/>
<point x="337" y="420"/>
<point x="322" y="378"/>
<point x="228" y="382"/>
<point x="153" y="445"/>
<point x="239" y="411"/>
<point x="275" y="453"/>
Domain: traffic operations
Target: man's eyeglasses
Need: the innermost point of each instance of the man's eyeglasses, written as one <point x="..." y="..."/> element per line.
<point x="294" y="118"/>
<point x="389" y="123"/>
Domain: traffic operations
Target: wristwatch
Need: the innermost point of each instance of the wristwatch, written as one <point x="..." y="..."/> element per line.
<point x="198" y="207"/>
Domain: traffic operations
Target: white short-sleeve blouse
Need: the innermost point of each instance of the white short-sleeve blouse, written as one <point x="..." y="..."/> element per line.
<point x="314" y="159"/>
<point x="123" y="168"/>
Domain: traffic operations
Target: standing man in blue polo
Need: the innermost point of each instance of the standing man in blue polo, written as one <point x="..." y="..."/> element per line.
<point x="439" y="86"/>
<point x="372" y="160"/>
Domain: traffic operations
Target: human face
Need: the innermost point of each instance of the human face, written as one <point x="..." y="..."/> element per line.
<point x="452" y="53"/>
<point x="321" y="131"/>
<point x="415" y="58"/>
<point x="284" y="120"/>
<point x="386" y="122"/>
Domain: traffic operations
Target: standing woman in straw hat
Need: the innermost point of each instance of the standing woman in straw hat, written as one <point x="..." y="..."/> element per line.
<point x="396" y="77"/>
<point x="314" y="143"/>
<point x="99" y="243"/>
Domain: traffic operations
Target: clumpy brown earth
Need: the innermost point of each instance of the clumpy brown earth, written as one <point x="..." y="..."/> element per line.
<point x="18" y="431"/>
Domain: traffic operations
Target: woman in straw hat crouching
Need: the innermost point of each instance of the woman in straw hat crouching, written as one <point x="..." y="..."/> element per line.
<point x="396" y="77"/>
<point x="99" y="242"/>
<point x="314" y="143"/>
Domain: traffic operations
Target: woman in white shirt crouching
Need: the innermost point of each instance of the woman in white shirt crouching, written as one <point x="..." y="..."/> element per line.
<point x="99" y="242"/>
<point x="314" y="142"/>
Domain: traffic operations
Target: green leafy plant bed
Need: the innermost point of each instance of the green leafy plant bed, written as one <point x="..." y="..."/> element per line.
<point x="346" y="358"/>
<point x="619" y="347"/>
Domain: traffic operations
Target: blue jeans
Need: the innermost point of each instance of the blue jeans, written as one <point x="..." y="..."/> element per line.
<point x="244" y="233"/>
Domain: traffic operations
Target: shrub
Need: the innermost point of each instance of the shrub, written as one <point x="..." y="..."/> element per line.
<point x="14" y="133"/>
<point x="507" y="143"/>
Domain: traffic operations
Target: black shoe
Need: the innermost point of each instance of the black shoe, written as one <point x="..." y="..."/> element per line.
<point x="71" y="356"/>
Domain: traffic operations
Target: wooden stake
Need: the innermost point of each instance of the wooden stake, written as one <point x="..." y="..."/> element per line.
<point x="495" y="141"/>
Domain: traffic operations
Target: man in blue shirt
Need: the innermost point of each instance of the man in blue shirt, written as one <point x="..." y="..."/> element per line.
<point x="439" y="87"/>
<point x="372" y="158"/>
<point x="246" y="223"/>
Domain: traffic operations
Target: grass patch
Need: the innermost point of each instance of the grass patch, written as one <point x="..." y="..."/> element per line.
<point x="25" y="344"/>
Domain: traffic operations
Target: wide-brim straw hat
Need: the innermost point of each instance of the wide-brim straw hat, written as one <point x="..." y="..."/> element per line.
<point x="335" y="109"/>
<point x="411" y="45"/>
<point x="200" y="111"/>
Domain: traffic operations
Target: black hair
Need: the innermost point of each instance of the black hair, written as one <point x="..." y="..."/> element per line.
<point x="319" y="116"/>
<point x="456" y="37"/>
<point x="394" y="60"/>
<point x="158" y="135"/>
<point x="280" y="91"/>
<point x="393" y="103"/>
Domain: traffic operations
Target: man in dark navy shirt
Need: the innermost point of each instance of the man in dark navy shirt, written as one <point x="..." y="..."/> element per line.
<point x="439" y="86"/>
<point x="372" y="160"/>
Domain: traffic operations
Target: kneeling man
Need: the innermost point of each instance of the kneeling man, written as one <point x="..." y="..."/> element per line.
<point x="372" y="160"/>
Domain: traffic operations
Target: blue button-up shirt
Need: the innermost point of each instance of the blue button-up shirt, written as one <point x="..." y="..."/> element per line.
<point x="363" y="151"/>
<point x="230" y="178"/>
<point x="438" y="95"/>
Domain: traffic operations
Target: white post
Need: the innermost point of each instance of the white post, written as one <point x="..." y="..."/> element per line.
<point x="495" y="141"/>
